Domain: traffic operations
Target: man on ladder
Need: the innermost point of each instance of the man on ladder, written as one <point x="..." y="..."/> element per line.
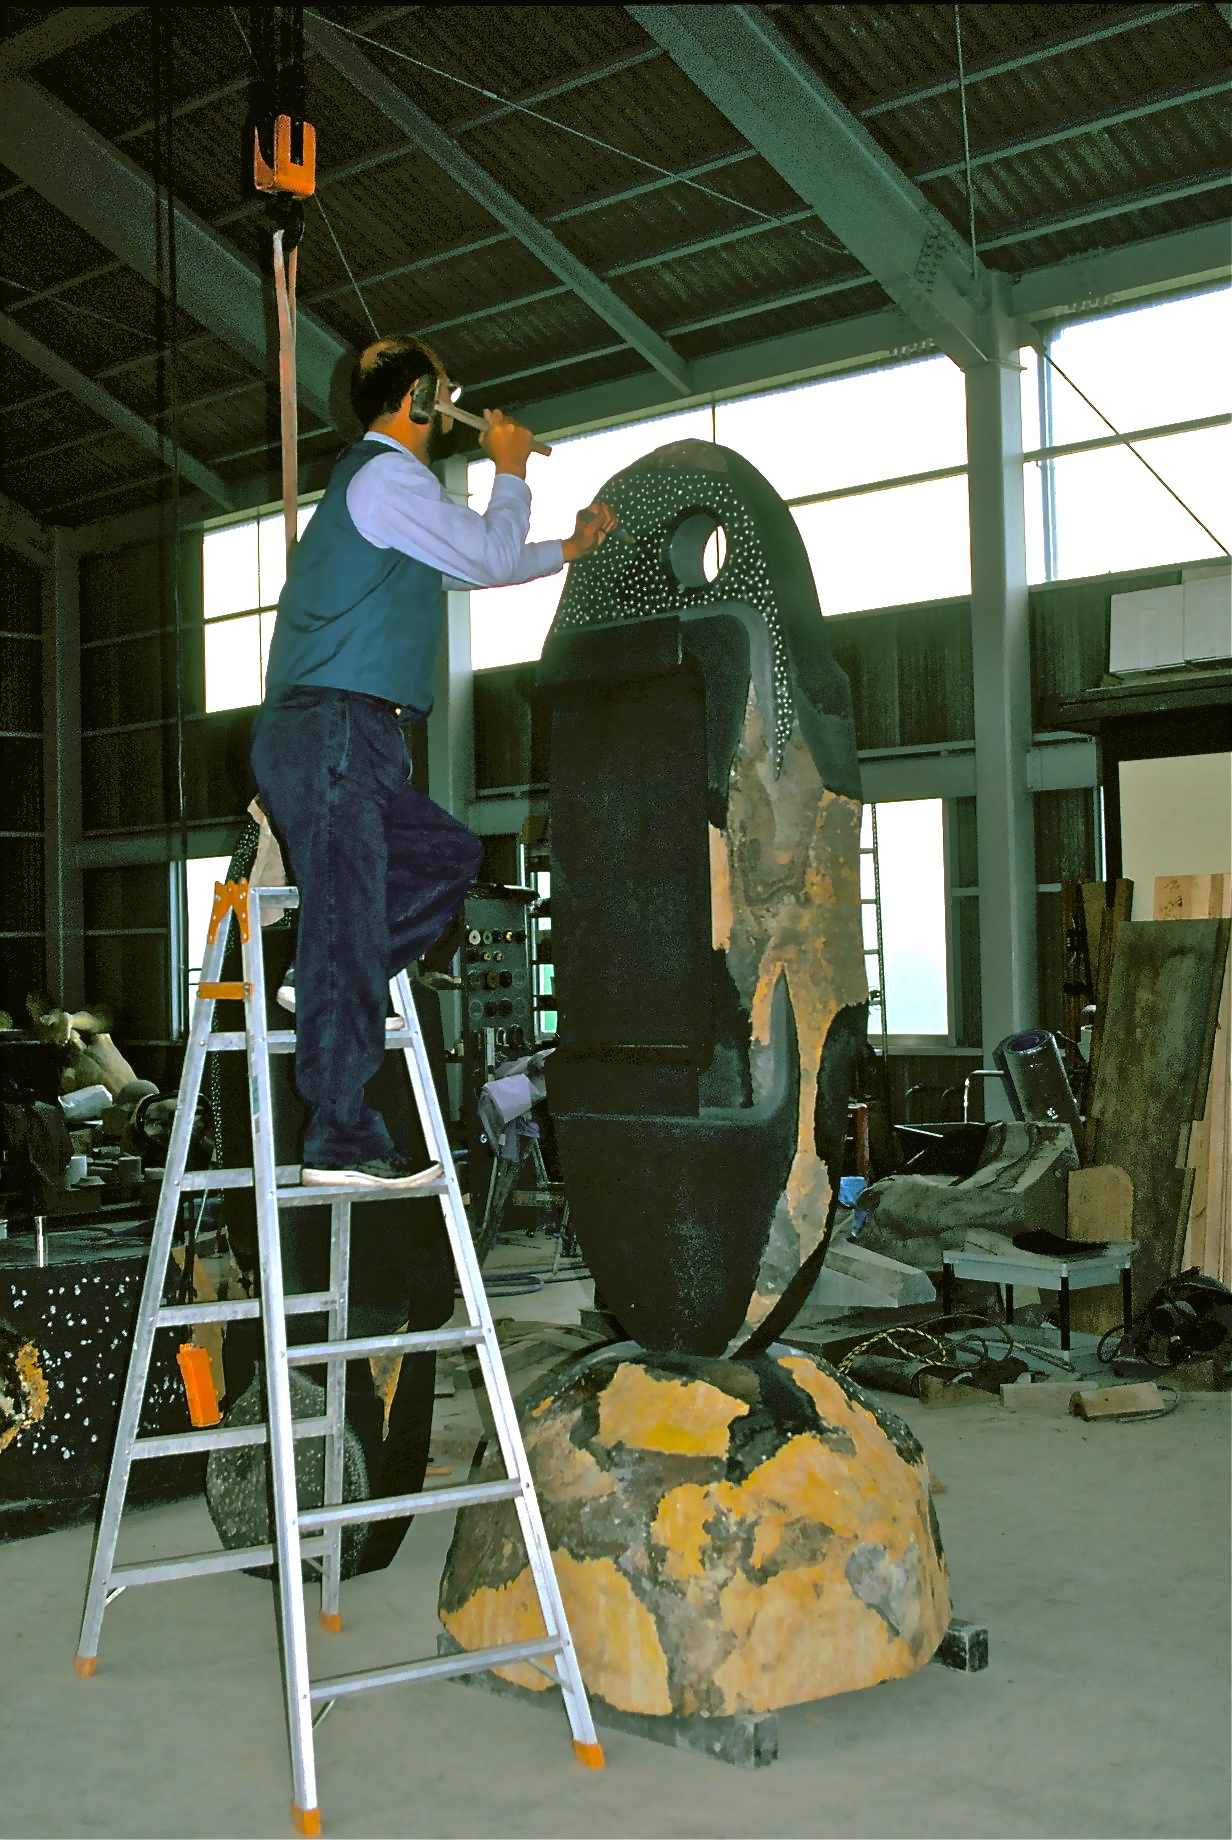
<point x="380" y="868"/>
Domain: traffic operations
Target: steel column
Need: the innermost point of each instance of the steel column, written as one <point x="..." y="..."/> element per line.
<point x="451" y="744"/>
<point x="1001" y="668"/>
<point x="62" y="878"/>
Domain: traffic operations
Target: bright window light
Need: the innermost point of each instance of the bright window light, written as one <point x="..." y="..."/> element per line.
<point x="1166" y="363"/>
<point x="509" y="625"/>
<point x="911" y="861"/>
<point x="200" y="875"/>
<point x="883" y="424"/>
<point x="1149" y="368"/>
<point x="888" y="549"/>
<point x="243" y="571"/>
<point x="1111" y="514"/>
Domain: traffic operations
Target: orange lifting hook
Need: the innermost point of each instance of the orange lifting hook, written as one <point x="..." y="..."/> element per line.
<point x="296" y="178"/>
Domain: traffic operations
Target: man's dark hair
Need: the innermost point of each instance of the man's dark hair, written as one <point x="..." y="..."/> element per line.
<point x="385" y="373"/>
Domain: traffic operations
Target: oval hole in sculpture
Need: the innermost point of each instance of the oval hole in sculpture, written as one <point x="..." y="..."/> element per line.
<point x="697" y="549"/>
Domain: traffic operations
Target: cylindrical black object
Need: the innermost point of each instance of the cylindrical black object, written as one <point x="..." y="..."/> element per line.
<point x="1039" y="1092"/>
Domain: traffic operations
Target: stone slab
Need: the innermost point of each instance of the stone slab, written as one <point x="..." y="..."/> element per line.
<point x="751" y="1741"/>
<point x="964" y="1647"/>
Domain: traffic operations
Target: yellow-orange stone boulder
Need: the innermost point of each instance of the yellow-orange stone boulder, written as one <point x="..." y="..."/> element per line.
<point x="731" y="1536"/>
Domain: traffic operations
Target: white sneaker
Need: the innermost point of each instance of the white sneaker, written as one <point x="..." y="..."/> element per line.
<point x="395" y="1171"/>
<point x="285" y="998"/>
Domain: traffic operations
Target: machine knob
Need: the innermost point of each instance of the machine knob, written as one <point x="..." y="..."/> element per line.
<point x="504" y="1009"/>
<point x="506" y="978"/>
<point x="474" y="937"/>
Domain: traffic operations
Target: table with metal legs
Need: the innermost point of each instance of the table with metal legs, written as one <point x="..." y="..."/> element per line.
<point x="1046" y="1272"/>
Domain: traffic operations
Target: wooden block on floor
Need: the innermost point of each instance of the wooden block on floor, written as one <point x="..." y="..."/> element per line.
<point x="1138" y="1398"/>
<point x="1101" y="1207"/>
<point x="1046" y="1399"/>
<point x="936" y="1390"/>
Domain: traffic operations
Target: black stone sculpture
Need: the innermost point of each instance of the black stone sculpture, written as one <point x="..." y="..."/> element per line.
<point x="705" y="811"/>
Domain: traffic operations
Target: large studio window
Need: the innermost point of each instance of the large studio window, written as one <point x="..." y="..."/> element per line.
<point x="1162" y="375"/>
<point x="509" y="625"/>
<point x="909" y="873"/>
<point x="874" y="468"/>
<point x="243" y="569"/>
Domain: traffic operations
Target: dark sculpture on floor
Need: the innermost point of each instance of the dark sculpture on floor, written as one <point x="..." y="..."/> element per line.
<point x="736" y="1527"/>
<point x="705" y="801"/>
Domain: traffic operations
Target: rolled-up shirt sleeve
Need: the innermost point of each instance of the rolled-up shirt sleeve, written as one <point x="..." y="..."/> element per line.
<point x="397" y="503"/>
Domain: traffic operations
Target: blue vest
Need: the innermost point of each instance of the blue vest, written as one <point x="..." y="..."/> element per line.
<point x="352" y="616"/>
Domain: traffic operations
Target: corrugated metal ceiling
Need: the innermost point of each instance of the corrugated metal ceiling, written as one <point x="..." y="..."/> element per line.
<point x="1114" y="116"/>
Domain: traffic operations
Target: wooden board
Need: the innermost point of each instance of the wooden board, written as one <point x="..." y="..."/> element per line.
<point x="1106" y="906"/>
<point x="1152" y="1079"/>
<point x="1208" y="1235"/>
<point x="1101" y="1207"/>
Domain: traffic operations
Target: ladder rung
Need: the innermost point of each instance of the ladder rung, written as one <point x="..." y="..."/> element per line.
<point x="290" y="1192"/>
<point x="394" y="1507"/>
<point x="441" y="1667"/>
<point x="281" y="1041"/>
<point x="200" y="1565"/>
<point x="311" y="1196"/>
<point x="369" y="1347"/>
<point x="276" y="897"/>
<point x="286" y="1175"/>
<point x="222" y="1437"/>
<point x="241" y="1309"/>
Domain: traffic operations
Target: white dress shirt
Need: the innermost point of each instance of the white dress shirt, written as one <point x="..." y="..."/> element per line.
<point x="402" y="505"/>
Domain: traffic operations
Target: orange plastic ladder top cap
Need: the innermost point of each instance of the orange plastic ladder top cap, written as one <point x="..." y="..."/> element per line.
<point x="589" y="1754"/>
<point x="332" y="1620"/>
<point x="85" y="1665"/>
<point x="306" y="1820"/>
<point x="229" y="897"/>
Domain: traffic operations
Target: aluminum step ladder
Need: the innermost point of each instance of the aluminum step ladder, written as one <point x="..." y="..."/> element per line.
<point x="317" y="1532"/>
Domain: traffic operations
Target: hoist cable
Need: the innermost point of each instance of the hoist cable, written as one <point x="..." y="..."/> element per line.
<point x="966" y="138"/>
<point x="1051" y="361"/>
<point x="549" y="121"/>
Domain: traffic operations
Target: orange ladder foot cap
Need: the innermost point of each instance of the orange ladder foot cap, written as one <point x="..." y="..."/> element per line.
<point x="85" y="1665"/>
<point x="589" y="1754"/>
<point x="332" y="1621"/>
<point x="306" y="1820"/>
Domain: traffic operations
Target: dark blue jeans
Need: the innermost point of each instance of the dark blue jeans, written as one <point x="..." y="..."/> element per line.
<point x="380" y="870"/>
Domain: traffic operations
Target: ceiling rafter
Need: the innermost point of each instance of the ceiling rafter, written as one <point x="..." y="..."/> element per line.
<point x="68" y="26"/>
<point x="1096" y="123"/>
<point x="100" y="189"/>
<point x="740" y="60"/>
<point x="495" y="199"/>
<point x="999" y="64"/>
<point x="21" y="531"/>
<point x="104" y="404"/>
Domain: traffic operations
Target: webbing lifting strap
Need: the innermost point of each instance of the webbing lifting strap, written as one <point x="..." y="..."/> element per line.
<point x="284" y="289"/>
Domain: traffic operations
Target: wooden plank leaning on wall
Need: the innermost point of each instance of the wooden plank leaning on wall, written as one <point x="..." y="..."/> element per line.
<point x="1208" y="1239"/>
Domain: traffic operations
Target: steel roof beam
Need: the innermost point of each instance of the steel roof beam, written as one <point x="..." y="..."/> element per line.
<point x="21" y="531"/>
<point x="106" y="194"/>
<point x="111" y="410"/>
<point x="1170" y="191"/>
<point x="68" y="26"/>
<point x="1000" y="63"/>
<point x="1086" y="124"/>
<point x="739" y="60"/>
<point x="445" y="152"/>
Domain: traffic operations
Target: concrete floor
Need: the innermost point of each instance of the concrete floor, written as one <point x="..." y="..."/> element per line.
<point x="1097" y="1554"/>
